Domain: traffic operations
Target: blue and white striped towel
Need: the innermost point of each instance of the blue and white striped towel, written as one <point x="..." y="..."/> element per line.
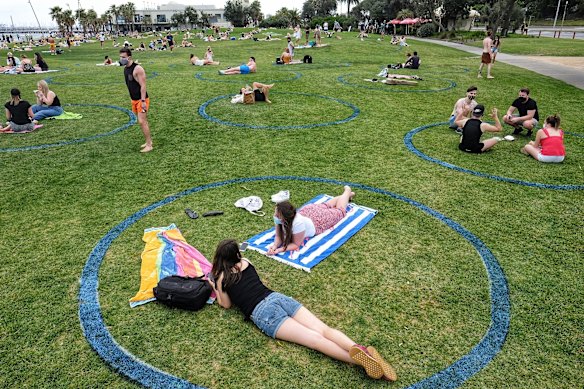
<point x="319" y="247"/>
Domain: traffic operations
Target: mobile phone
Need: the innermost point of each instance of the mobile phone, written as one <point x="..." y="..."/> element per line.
<point x="243" y="246"/>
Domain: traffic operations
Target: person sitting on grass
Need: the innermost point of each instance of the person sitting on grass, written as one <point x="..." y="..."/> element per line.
<point x="528" y="115"/>
<point x="236" y="282"/>
<point x="412" y="62"/>
<point x="48" y="104"/>
<point x="473" y="128"/>
<point x="201" y="62"/>
<point x="26" y="65"/>
<point x="250" y="67"/>
<point x="41" y="65"/>
<point x="292" y="226"/>
<point x="286" y="58"/>
<point x="549" y="142"/>
<point x="18" y="113"/>
<point x="463" y="104"/>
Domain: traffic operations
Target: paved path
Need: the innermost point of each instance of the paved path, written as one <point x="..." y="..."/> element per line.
<point x="572" y="75"/>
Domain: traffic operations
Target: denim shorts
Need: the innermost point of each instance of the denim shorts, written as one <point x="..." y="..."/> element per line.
<point x="272" y="311"/>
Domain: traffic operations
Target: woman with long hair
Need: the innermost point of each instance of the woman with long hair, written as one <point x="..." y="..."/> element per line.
<point x="40" y="62"/>
<point x="549" y="142"/>
<point x="236" y="282"/>
<point x="48" y="104"/>
<point x="293" y="227"/>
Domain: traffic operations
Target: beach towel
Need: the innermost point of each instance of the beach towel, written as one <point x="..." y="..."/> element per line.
<point x="67" y="116"/>
<point x="12" y="71"/>
<point x="392" y="81"/>
<point x="319" y="247"/>
<point x="167" y="254"/>
<point x="313" y="46"/>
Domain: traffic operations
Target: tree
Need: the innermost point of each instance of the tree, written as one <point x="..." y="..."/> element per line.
<point x="91" y="20"/>
<point x="178" y="19"/>
<point x="56" y="14"/>
<point x="191" y="15"/>
<point x="205" y="19"/>
<point x="349" y="3"/>
<point x="130" y="10"/>
<point x="68" y="20"/>
<point x="115" y="12"/>
<point x="312" y="8"/>
<point x="147" y="21"/>
<point x="254" y="11"/>
<point x="405" y="13"/>
<point x="235" y="12"/>
<point x="81" y="16"/>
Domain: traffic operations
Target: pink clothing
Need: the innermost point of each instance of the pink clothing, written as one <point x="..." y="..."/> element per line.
<point x="323" y="216"/>
<point x="553" y="145"/>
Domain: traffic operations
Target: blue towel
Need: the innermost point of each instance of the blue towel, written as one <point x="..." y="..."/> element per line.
<point x="319" y="247"/>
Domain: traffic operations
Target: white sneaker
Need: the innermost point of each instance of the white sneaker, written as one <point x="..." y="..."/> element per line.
<point x="383" y="73"/>
<point x="282" y="195"/>
<point x="509" y="138"/>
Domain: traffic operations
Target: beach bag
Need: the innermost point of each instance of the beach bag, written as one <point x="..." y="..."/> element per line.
<point x="307" y="59"/>
<point x="183" y="292"/>
<point x="249" y="98"/>
<point x="279" y="61"/>
<point x="252" y="204"/>
<point x="28" y="68"/>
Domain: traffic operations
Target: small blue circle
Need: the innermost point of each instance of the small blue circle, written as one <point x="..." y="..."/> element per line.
<point x="234" y="80"/>
<point x="203" y="113"/>
<point x="408" y="140"/>
<point x="125" y="363"/>
<point x="50" y="80"/>
<point x="342" y="80"/>
<point x="131" y="122"/>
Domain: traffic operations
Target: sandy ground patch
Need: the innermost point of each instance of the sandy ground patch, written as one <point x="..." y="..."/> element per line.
<point x="575" y="62"/>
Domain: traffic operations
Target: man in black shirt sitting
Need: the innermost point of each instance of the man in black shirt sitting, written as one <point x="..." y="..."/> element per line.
<point x="473" y="128"/>
<point x="528" y="116"/>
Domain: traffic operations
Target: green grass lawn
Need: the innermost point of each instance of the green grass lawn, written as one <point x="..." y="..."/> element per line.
<point x="532" y="45"/>
<point x="406" y="283"/>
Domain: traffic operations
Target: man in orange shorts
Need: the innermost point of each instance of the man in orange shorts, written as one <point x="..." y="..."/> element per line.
<point x="486" y="57"/>
<point x="135" y="77"/>
<point x="52" y="45"/>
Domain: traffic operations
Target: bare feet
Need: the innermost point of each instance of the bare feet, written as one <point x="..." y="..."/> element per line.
<point x="146" y="149"/>
<point x="144" y="145"/>
<point x="348" y="189"/>
<point x="490" y="77"/>
<point x="524" y="151"/>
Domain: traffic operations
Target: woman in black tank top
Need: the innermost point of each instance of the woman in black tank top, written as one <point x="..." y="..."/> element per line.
<point x="236" y="282"/>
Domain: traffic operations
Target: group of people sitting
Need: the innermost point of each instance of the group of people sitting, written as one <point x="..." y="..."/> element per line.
<point x="24" y="64"/>
<point x="466" y="119"/>
<point x="23" y="117"/>
<point x="236" y="282"/>
<point x="207" y="59"/>
<point x="412" y="62"/>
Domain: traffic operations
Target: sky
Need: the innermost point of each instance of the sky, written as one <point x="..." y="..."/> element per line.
<point x="22" y="14"/>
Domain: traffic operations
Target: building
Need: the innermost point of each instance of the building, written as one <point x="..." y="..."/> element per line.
<point x="159" y="18"/>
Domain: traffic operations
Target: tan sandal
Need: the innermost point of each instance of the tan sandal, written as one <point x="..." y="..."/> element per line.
<point x="388" y="371"/>
<point x="372" y="367"/>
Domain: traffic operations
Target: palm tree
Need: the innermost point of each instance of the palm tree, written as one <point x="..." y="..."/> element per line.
<point x="204" y="19"/>
<point x="115" y="12"/>
<point x="130" y="10"/>
<point x="351" y="2"/>
<point x="56" y="14"/>
<point x="81" y="16"/>
<point x="191" y="15"/>
<point x="91" y="20"/>
<point x="255" y="11"/>
<point x="147" y="21"/>
<point x="68" y="20"/>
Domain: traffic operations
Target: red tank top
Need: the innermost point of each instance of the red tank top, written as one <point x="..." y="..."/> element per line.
<point x="553" y="145"/>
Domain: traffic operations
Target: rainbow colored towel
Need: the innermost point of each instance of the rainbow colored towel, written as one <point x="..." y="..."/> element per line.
<point x="167" y="253"/>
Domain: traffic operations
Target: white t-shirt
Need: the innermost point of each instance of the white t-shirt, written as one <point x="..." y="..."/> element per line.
<point x="302" y="223"/>
<point x="199" y="62"/>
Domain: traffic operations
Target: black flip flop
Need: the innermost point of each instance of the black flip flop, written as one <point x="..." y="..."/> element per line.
<point x="212" y="213"/>
<point x="192" y="214"/>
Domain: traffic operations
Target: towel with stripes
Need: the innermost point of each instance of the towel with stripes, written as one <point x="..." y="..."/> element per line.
<point x="319" y="247"/>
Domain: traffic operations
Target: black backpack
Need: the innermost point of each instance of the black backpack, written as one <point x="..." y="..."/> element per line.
<point x="307" y="59"/>
<point x="183" y="292"/>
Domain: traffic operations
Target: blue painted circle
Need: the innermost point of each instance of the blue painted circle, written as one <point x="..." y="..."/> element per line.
<point x="131" y="122"/>
<point x="130" y="366"/>
<point x="388" y="88"/>
<point x="50" y="80"/>
<point x="203" y="113"/>
<point x="229" y="79"/>
<point x="408" y="140"/>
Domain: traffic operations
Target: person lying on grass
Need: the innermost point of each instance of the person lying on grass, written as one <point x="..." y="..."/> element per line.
<point x="236" y="282"/>
<point x="250" y="67"/>
<point x="18" y="113"/>
<point x="292" y="226"/>
<point x="257" y="92"/>
<point x="473" y="128"/>
<point x="200" y="62"/>
<point x="549" y="142"/>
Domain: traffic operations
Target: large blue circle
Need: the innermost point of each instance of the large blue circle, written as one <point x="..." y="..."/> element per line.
<point x="234" y="80"/>
<point x="133" y="368"/>
<point x="131" y="122"/>
<point x="451" y="84"/>
<point x="408" y="140"/>
<point x="50" y="80"/>
<point x="203" y="113"/>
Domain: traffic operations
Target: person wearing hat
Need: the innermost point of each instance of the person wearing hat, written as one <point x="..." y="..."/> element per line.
<point x="473" y="128"/>
<point x="18" y="113"/>
<point x="12" y="61"/>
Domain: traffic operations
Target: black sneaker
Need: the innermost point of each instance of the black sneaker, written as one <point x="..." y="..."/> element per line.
<point x="517" y="130"/>
<point x="529" y="132"/>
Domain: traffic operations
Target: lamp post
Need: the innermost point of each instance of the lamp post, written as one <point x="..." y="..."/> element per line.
<point x="563" y="17"/>
<point x="557" y="12"/>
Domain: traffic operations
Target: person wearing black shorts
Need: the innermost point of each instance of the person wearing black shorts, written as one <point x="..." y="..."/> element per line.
<point x="473" y="128"/>
<point x="260" y="91"/>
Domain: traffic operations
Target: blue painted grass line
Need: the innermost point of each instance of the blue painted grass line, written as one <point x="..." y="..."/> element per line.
<point x="199" y="76"/>
<point x="205" y="115"/>
<point x="50" y="80"/>
<point x="574" y="134"/>
<point x="408" y="141"/>
<point x="131" y="122"/>
<point x="451" y="84"/>
<point x="127" y="364"/>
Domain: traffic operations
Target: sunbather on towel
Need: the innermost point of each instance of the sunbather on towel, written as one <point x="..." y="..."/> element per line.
<point x="201" y="62"/>
<point x="236" y="282"/>
<point x="250" y="67"/>
<point x="293" y="227"/>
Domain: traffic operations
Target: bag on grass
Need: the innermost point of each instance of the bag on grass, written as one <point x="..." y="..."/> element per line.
<point x="252" y="204"/>
<point x="183" y="292"/>
<point x="307" y="59"/>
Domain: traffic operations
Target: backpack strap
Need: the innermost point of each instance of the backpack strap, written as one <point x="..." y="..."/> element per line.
<point x="258" y="213"/>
